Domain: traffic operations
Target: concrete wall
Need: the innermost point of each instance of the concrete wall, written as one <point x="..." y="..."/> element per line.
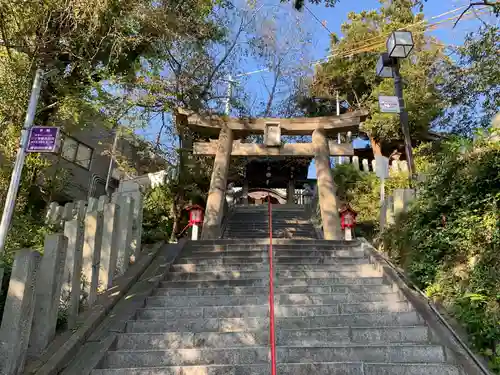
<point x="84" y="183"/>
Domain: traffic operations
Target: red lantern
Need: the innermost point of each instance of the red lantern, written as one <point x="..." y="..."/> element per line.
<point x="195" y="214"/>
<point x="347" y="217"/>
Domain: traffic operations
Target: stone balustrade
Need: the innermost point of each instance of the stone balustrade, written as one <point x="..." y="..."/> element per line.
<point x="98" y="240"/>
<point x="370" y="166"/>
<point x="395" y="205"/>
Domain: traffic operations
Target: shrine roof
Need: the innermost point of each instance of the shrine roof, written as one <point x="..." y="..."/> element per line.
<point x="209" y="125"/>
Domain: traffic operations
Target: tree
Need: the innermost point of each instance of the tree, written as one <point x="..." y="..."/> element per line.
<point x="351" y="71"/>
<point x="471" y="86"/>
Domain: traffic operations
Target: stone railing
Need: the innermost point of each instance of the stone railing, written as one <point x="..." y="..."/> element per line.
<point x="370" y="166"/>
<point x="96" y="243"/>
<point x="394" y="205"/>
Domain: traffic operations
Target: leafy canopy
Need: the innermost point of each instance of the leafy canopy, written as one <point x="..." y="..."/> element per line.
<point x="351" y="69"/>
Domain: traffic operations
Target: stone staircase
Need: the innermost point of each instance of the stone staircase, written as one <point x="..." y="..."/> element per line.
<point x="335" y="314"/>
<point x="253" y="222"/>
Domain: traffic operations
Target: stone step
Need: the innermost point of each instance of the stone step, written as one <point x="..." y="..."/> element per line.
<point x="239" y="246"/>
<point x="367" y="272"/>
<point x="176" y="357"/>
<point x="217" y="300"/>
<point x="166" y="291"/>
<point x="307" y="262"/>
<point x="222" y="260"/>
<point x="371" y="353"/>
<point x="251" y="311"/>
<point x="292" y="242"/>
<point x="188" y="340"/>
<point x="351" y="253"/>
<point x="408" y="318"/>
<point x="214" y="283"/>
<point x="320" y="337"/>
<point x="256" y="253"/>
<point x="331" y="368"/>
<point x="194" y="267"/>
<point x="395" y="319"/>
<point x="280" y="274"/>
<point x="197" y="325"/>
<point x="242" y="311"/>
<point x="324" y="337"/>
<point x="259" y="355"/>
<point x="207" y="276"/>
<point x="308" y="281"/>
<point x="328" y="299"/>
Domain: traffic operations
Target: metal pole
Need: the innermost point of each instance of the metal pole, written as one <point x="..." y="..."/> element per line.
<point x="111" y="160"/>
<point x="229" y="93"/>
<point x="398" y="87"/>
<point x="10" y="200"/>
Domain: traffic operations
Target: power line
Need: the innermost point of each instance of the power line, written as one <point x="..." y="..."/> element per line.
<point x="379" y="41"/>
<point x="317" y="19"/>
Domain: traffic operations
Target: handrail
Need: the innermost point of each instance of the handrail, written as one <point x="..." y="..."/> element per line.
<point x="271" y="290"/>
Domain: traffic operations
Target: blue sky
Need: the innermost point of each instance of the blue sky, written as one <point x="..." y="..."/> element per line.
<point x="254" y="85"/>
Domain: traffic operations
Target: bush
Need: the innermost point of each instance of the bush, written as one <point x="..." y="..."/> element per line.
<point x="157" y="222"/>
<point x="362" y="191"/>
<point x="449" y="241"/>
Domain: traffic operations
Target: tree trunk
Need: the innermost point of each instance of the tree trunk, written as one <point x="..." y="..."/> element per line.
<point x="376" y="146"/>
<point x="177" y="219"/>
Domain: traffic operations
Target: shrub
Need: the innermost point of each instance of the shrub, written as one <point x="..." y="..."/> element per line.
<point x="449" y="241"/>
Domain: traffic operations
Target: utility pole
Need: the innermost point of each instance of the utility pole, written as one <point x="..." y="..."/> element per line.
<point x="112" y="160"/>
<point x="10" y="200"/>
<point x="403" y="115"/>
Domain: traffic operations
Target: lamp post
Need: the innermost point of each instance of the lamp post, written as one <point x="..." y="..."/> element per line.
<point x="399" y="45"/>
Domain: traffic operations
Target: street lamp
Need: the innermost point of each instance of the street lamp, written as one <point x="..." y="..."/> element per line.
<point x="399" y="45"/>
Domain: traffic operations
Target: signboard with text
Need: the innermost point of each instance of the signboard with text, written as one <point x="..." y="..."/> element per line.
<point x="389" y="104"/>
<point x="43" y="139"/>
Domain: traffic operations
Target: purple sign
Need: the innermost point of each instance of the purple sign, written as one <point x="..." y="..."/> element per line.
<point x="43" y="139"/>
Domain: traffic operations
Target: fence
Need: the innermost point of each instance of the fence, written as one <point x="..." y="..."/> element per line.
<point x="97" y="241"/>
<point x="394" y="205"/>
<point x="370" y="166"/>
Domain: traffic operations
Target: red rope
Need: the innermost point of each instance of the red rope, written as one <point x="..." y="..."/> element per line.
<point x="271" y="290"/>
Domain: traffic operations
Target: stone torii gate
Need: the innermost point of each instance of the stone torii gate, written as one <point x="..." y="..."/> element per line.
<point x="230" y="131"/>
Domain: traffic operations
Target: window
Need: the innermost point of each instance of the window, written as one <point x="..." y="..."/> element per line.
<point x="76" y="152"/>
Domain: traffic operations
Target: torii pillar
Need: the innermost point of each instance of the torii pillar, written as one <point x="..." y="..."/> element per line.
<point x="217" y="193"/>
<point x="326" y="187"/>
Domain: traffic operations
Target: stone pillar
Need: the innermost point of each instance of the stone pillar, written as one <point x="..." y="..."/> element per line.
<point x="15" y="330"/>
<point x="51" y="212"/>
<point x="366" y="167"/>
<point x="92" y="204"/>
<point x="109" y="248"/>
<point x="326" y="187"/>
<point x="48" y="293"/>
<point x="216" y="195"/>
<point x="290" y="192"/>
<point x="244" y="192"/>
<point x="125" y="226"/>
<point x="68" y="211"/>
<point x="389" y="211"/>
<point x="399" y="201"/>
<point x="355" y="162"/>
<point x="103" y="199"/>
<point x="374" y="165"/>
<point x="73" y="230"/>
<point x="92" y="254"/>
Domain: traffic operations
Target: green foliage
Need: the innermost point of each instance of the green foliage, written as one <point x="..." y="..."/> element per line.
<point x="449" y="241"/>
<point x="472" y="84"/>
<point x="362" y="191"/>
<point x="351" y="70"/>
<point x="157" y="221"/>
